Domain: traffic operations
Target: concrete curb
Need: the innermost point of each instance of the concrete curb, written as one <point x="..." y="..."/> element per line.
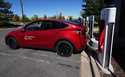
<point x="88" y="67"/>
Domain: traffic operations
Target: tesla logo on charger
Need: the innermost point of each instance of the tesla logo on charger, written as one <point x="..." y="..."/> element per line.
<point x="28" y="37"/>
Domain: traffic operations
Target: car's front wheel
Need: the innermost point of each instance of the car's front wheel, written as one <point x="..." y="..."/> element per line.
<point x="64" y="48"/>
<point x="12" y="43"/>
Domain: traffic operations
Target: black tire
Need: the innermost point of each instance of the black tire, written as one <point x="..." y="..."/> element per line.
<point x="12" y="43"/>
<point x="64" y="48"/>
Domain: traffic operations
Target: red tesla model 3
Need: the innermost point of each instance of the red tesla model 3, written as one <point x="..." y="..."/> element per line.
<point x="63" y="36"/>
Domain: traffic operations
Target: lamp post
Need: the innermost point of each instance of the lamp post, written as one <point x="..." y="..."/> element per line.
<point x="22" y="10"/>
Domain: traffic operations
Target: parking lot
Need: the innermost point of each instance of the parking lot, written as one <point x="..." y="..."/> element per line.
<point x="25" y="62"/>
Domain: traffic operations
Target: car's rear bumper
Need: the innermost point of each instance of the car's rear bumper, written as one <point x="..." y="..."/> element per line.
<point x="80" y="44"/>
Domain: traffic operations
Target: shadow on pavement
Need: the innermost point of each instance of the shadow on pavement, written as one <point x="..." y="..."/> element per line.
<point x="43" y="49"/>
<point x="51" y="50"/>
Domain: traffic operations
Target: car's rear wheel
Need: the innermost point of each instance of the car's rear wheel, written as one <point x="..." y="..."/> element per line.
<point x="12" y="43"/>
<point x="64" y="48"/>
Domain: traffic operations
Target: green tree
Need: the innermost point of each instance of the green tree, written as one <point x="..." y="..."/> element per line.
<point x="15" y="18"/>
<point x="35" y="17"/>
<point x="53" y="17"/>
<point x="25" y="18"/>
<point x="70" y="18"/>
<point x="45" y="16"/>
<point x="63" y="18"/>
<point x="92" y="7"/>
<point x="5" y="12"/>
<point x="60" y="16"/>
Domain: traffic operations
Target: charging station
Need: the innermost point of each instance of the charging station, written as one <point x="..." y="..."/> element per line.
<point x="91" y="25"/>
<point x="108" y="15"/>
<point x="92" y="42"/>
<point x="114" y="35"/>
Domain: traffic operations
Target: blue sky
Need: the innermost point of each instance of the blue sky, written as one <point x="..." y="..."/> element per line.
<point x="48" y="7"/>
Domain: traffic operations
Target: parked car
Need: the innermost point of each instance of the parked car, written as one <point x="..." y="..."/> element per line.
<point x="63" y="36"/>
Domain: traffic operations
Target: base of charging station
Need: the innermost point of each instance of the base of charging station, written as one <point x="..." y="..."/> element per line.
<point x="93" y="44"/>
<point x="106" y="70"/>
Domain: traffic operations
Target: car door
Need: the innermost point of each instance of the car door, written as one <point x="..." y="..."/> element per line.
<point x="47" y="34"/>
<point x="31" y="34"/>
<point x="50" y="32"/>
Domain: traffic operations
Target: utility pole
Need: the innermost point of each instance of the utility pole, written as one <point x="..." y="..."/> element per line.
<point x="22" y="11"/>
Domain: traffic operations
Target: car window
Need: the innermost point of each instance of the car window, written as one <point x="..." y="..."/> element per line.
<point x="34" y="26"/>
<point x="58" y="25"/>
<point x="46" y="25"/>
<point x="52" y="25"/>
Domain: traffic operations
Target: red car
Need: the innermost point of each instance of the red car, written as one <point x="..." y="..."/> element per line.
<point x="63" y="36"/>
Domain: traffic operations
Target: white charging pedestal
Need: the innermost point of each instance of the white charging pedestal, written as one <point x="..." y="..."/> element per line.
<point x="108" y="15"/>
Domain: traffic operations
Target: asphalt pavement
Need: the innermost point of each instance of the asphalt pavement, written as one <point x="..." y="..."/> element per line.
<point x="26" y="62"/>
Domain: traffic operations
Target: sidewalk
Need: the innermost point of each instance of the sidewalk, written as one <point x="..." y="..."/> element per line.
<point x="88" y="67"/>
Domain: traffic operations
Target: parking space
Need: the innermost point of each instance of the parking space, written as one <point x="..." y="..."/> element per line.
<point x="35" y="63"/>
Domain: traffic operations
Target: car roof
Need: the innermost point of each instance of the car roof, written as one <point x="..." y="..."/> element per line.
<point x="50" y="20"/>
<point x="62" y="21"/>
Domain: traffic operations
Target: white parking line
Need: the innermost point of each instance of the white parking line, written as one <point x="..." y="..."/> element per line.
<point x="24" y="57"/>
